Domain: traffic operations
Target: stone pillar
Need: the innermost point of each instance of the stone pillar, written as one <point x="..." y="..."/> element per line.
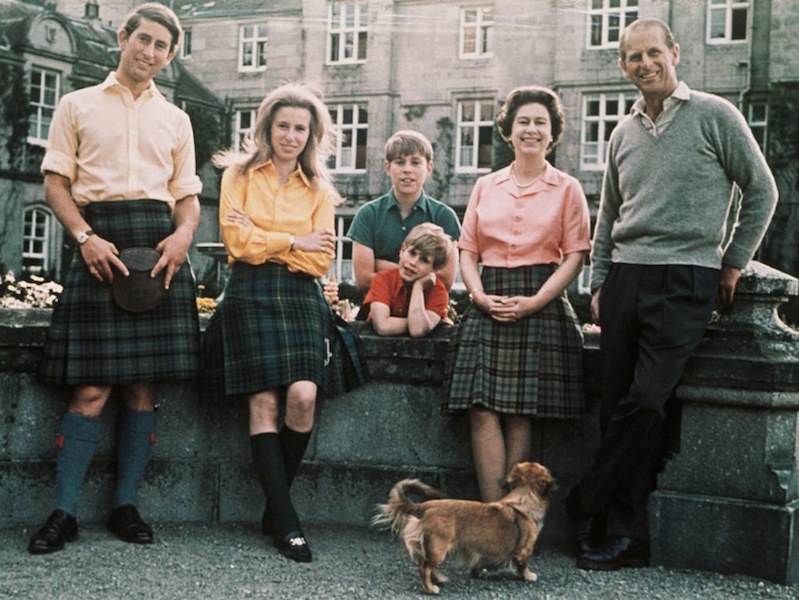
<point x="728" y="501"/>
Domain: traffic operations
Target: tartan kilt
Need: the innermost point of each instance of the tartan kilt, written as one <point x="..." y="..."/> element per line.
<point x="92" y="341"/>
<point x="532" y="367"/>
<point x="271" y="329"/>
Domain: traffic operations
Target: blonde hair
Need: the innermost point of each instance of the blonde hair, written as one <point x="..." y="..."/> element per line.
<point x="429" y="240"/>
<point x="257" y="148"/>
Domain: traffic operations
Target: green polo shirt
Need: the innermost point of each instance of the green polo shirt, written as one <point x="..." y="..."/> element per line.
<point x="379" y="226"/>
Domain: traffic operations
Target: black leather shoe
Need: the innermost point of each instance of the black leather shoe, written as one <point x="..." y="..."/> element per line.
<point x="589" y="534"/>
<point x="294" y="546"/>
<point x="618" y="552"/>
<point x="128" y="525"/>
<point x="59" y="528"/>
<point x="589" y="530"/>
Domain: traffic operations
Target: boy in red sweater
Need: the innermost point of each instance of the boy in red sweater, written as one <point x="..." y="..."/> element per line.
<point x="410" y="299"/>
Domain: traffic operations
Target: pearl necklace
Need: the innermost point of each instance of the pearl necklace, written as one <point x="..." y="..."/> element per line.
<point x="524" y="185"/>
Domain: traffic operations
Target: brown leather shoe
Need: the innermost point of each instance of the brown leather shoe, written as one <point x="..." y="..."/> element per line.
<point x="128" y="525"/>
<point x="59" y="528"/>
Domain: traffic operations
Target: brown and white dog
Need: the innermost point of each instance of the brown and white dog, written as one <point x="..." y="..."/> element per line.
<point x="484" y="535"/>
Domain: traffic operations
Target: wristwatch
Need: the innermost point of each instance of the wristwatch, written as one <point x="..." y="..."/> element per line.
<point x="84" y="236"/>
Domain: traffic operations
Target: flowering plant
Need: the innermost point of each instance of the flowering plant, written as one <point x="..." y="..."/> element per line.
<point x="30" y="292"/>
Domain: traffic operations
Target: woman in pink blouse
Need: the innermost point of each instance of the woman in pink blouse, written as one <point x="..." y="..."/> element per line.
<point x="518" y="352"/>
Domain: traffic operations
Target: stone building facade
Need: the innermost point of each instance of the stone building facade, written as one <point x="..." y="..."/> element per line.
<point x="443" y="68"/>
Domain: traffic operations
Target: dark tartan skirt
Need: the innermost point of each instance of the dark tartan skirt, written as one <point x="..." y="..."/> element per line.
<point x="531" y="367"/>
<point x="271" y="329"/>
<point x="92" y="341"/>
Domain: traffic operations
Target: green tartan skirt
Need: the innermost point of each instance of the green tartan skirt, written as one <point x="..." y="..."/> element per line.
<point x="272" y="328"/>
<point x="532" y="367"/>
<point x="92" y="341"/>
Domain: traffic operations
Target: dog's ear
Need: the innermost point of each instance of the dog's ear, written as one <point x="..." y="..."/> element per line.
<point x="544" y="483"/>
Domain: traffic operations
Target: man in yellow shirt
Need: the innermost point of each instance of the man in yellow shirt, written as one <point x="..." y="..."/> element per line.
<point x="119" y="172"/>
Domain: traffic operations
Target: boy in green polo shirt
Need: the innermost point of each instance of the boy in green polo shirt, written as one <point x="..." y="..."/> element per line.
<point x="381" y="225"/>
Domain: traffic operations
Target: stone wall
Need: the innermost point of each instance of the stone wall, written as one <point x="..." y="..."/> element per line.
<point x="364" y="442"/>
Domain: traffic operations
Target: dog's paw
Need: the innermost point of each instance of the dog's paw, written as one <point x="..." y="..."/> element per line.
<point x="478" y="572"/>
<point x="439" y="577"/>
<point x="528" y="575"/>
<point x="432" y="589"/>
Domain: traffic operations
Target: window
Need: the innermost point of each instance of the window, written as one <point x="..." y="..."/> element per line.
<point x="726" y="21"/>
<point x="758" y="118"/>
<point x="36" y="240"/>
<point x="244" y="127"/>
<point x="43" y="99"/>
<point x="347" y="32"/>
<point x="601" y="114"/>
<point x="252" y="48"/>
<point x="608" y="18"/>
<point x="477" y="32"/>
<point x="185" y="48"/>
<point x="475" y="125"/>
<point x="351" y="122"/>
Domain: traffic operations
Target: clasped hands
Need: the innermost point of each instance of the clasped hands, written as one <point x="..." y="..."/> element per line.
<point x="505" y="309"/>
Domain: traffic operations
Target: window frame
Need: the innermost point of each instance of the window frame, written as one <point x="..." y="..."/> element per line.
<point x="259" y="41"/>
<point x="757" y="124"/>
<point x="476" y="125"/>
<point x="39" y="105"/>
<point x="185" y="44"/>
<point x="338" y="29"/>
<point x="358" y="132"/>
<point x="625" y="101"/>
<point x="730" y="7"/>
<point x="606" y="13"/>
<point x="484" y="33"/>
<point x="239" y="132"/>
<point x="30" y="238"/>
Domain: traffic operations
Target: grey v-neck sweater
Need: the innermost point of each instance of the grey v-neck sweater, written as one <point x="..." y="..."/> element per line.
<point x="667" y="199"/>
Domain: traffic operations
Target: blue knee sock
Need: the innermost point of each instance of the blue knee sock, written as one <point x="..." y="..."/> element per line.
<point x="136" y="439"/>
<point x="77" y="439"/>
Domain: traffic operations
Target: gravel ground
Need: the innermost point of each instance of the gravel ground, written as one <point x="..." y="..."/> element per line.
<point x="234" y="561"/>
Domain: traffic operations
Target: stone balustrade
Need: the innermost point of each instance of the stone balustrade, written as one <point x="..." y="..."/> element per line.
<point x="727" y="502"/>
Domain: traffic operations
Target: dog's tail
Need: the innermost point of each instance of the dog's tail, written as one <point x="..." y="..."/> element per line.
<point x="394" y="514"/>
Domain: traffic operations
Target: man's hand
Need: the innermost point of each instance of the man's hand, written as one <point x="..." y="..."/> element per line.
<point x="102" y="258"/>
<point x="174" y="249"/>
<point x="595" y="305"/>
<point x="727" y="283"/>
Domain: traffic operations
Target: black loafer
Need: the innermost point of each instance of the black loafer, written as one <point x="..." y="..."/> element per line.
<point x="294" y="546"/>
<point x="128" y="525"/>
<point x="618" y="552"/>
<point x="59" y="528"/>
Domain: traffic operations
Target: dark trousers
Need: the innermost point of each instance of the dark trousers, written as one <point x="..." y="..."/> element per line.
<point x="653" y="318"/>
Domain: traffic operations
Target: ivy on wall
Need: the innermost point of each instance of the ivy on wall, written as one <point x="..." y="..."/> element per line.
<point x="207" y="125"/>
<point x="443" y="147"/>
<point x="14" y="109"/>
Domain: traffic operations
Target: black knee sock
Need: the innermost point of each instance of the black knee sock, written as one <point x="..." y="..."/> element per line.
<point x="268" y="460"/>
<point x="293" y="445"/>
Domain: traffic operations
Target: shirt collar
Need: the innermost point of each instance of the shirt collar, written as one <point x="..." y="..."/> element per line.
<point x="422" y="203"/>
<point x="112" y="82"/>
<point x="550" y="175"/>
<point x="681" y="93"/>
<point x="270" y="166"/>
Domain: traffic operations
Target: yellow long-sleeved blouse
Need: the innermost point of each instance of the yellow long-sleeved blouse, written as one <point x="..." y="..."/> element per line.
<point x="278" y="213"/>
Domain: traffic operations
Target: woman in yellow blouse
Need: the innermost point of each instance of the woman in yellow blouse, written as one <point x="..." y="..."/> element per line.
<point x="268" y="336"/>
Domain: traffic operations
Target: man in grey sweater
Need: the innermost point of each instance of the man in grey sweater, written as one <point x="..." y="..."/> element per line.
<point x="668" y="245"/>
